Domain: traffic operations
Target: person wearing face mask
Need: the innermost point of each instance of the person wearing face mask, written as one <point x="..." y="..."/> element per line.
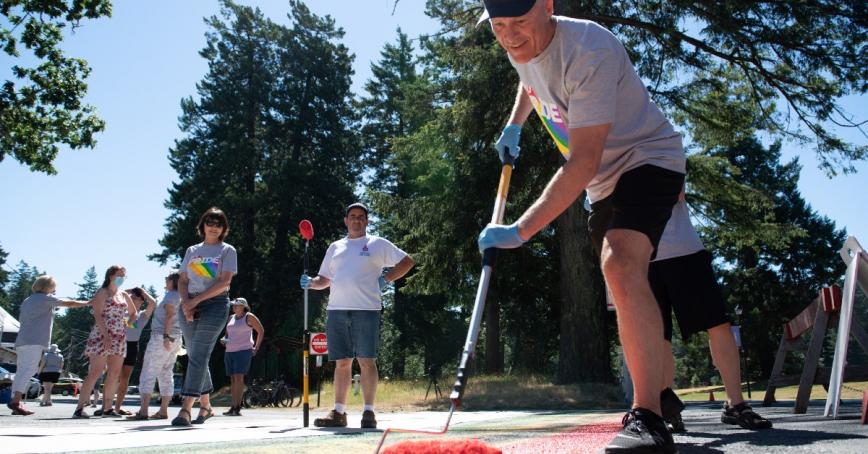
<point x="106" y="345"/>
<point x="133" y="334"/>
<point x="206" y="272"/>
<point x="37" y="319"/>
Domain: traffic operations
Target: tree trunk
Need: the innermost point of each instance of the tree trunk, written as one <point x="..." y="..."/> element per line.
<point x="584" y="343"/>
<point x="493" y="350"/>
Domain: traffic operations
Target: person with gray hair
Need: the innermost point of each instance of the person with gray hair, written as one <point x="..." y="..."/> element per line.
<point x="37" y="319"/>
<point x="50" y="367"/>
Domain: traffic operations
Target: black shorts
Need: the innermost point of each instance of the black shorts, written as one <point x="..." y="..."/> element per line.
<point x="49" y="377"/>
<point x="687" y="285"/>
<point x="642" y="201"/>
<point x="132" y="353"/>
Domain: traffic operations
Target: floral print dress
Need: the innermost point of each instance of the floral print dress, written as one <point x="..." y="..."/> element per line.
<point x="114" y="315"/>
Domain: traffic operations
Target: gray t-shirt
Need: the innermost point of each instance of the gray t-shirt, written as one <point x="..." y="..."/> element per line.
<point x="37" y="320"/>
<point x="172" y="298"/>
<point x="134" y="332"/>
<point x="585" y="78"/>
<point x="53" y="361"/>
<point x="679" y="237"/>
<point x="204" y="263"/>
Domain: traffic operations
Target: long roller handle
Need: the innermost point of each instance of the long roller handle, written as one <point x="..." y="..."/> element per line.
<point x="488" y="258"/>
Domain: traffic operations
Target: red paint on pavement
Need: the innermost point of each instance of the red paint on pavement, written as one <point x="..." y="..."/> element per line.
<point x="442" y="447"/>
<point x="590" y="438"/>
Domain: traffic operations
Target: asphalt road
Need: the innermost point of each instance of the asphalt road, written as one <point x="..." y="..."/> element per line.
<point x="280" y="430"/>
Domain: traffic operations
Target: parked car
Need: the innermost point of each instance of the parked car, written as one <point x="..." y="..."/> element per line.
<point x="33" y="389"/>
<point x="67" y="386"/>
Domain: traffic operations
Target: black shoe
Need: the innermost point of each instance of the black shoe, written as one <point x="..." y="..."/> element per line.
<point x="110" y="413"/>
<point x="98" y="413"/>
<point x="671" y="407"/>
<point x="233" y="411"/>
<point x="80" y="414"/>
<point x="643" y="432"/>
<point x="743" y="415"/>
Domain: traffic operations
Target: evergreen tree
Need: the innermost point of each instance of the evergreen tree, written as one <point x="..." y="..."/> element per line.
<point x="46" y="108"/>
<point x="19" y="288"/>
<point x="4" y="278"/>
<point x="773" y="283"/>
<point x="73" y="327"/>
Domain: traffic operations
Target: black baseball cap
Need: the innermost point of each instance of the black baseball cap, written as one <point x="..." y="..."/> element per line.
<point x="504" y="8"/>
<point x="356" y="205"/>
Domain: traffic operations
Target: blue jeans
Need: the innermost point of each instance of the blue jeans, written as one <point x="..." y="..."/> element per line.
<point x="353" y="334"/>
<point x="200" y="336"/>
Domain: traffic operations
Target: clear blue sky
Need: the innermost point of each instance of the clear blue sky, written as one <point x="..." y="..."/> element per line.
<point x="105" y="206"/>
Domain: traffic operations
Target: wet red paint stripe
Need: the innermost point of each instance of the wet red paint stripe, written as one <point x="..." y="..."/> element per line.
<point x="590" y="438"/>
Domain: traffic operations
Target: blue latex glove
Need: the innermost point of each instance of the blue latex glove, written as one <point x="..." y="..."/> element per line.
<point x="508" y="142"/>
<point x="305" y="281"/>
<point x="499" y="236"/>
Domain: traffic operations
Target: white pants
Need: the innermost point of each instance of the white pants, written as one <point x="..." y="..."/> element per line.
<point x="158" y="365"/>
<point x="27" y="363"/>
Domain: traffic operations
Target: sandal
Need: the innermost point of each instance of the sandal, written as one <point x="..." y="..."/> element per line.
<point x="744" y="416"/>
<point x="180" y="420"/>
<point x="137" y="417"/>
<point x="18" y="409"/>
<point x="159" y="415"/>
<point x="202" y="418"/>
<point x="123" y="412"/>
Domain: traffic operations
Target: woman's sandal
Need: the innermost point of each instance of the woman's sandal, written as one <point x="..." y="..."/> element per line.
<point x="744" y="416"/>
<point x="180" y="420"/>
<point x="159" y="415"/>
<point x="202" y="418"/>
<point x="137" y="417"/>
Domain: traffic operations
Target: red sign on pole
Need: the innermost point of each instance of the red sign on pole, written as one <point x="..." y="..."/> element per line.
<point x="318" y="344"/>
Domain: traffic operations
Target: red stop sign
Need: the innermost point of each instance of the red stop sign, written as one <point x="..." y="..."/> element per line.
<point x="318" y="344"/>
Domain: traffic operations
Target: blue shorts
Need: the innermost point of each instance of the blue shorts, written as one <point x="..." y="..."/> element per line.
<point x="238" y="362"/>
<point x="353" y="334"/>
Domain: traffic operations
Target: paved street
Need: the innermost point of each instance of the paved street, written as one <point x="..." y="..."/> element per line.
<point x="279" y="430"/>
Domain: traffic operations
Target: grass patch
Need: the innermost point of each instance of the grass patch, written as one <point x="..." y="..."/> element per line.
<point x="486" y="392"/>
<point x="758" y="391"/>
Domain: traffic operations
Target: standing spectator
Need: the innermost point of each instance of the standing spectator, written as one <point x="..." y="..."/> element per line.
<point x="353" y="268"/>
<point x="133" y="334"/>
<point x="206" y="273"/>
<point x="161" y="352"/>
<point x="106" y="345"/>
<point x="50" y="367"/>
<point x="37" y="319"/>
<point x="240" y="349"/>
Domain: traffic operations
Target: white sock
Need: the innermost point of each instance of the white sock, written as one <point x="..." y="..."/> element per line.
<point x="369" y="408"/>
<point x="340" y="408"/>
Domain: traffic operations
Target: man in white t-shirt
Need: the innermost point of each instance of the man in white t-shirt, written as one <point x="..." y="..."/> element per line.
<point x="353" y="269"/>
<point x="618" y="146"/>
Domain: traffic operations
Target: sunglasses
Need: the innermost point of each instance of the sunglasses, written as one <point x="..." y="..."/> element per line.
<point x="212" y="223"/>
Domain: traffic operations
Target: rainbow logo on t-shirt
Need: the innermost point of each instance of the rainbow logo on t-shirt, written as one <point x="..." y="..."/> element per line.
<point x="552" y="119"/>
<point x="206" y="267"/>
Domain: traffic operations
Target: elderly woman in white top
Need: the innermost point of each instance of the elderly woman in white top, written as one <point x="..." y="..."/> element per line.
<point x="34" y="335"/>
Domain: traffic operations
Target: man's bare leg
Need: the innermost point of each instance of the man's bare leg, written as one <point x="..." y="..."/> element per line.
<point x="640" y="327"/>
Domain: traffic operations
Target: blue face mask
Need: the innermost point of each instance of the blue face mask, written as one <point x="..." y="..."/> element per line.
<point x="119" y="281"/>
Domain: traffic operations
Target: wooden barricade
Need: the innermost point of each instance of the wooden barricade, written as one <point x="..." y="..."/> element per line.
<point x="817" y="318"/>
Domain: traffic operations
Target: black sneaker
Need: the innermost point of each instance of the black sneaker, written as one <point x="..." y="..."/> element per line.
<point x="643" y="432"/>
<point x="80" y="414"/>
<point x="671" y="407"/>
<point x="98" y="413"/>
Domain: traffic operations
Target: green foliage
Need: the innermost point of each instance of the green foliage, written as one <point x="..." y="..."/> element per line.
<point x="269" y="139"/>
<point x="805" y="54"/>
<point x="4" y="278"/>
<point x="19" y="288"/>
<point x="773" y="282"/>
<point x="74" y="325"/>
<point x="45" y="108"/>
